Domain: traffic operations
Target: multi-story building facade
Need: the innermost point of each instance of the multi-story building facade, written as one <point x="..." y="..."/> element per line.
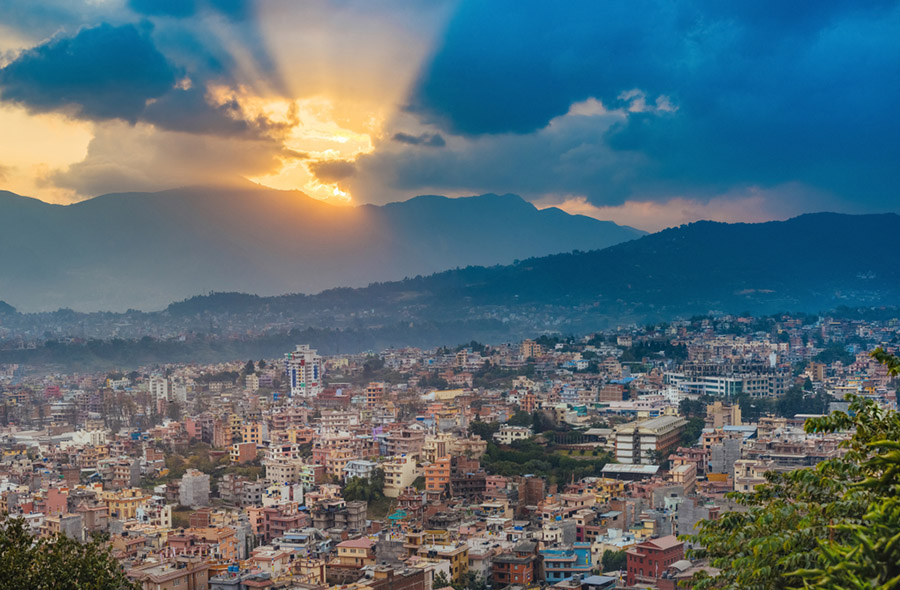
<point x="644" y="442"/>
<point x="304" y="369"/>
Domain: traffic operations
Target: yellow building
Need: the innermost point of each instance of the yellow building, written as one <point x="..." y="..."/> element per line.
<point x="399" y="472"/>
<point x="457" y="555"/>
<point x="251" y="432"/>
<point x="124" y="504"/>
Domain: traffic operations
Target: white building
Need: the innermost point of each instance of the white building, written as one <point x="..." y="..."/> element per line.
<point x="194" y="489"/>
<point x="304" y="371"/>
<point x="508" y="434"/>
<point x="359" y="468"/>
<point x="159" y="388"/>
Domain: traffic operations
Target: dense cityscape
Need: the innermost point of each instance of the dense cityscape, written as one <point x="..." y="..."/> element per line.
<point x="555" y="461"/>
<point x="449" y="295"/>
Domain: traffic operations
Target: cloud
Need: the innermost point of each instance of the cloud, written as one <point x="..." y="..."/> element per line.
<point x="568" y="156"/>
<point x="234" y="9"/>
<point x="173" y="8"/>
<point x="104" y="72"/>
<point x="330" y="171"/>
<point x="746" y="204"/>
<point x="122" y="157"/>
<point x="425" y="139"/>
<point x="761" y="93"/>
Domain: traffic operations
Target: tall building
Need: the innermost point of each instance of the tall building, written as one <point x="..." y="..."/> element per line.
<point x="304" y="371"/>
<point x="159" y="388"/>
<point x="374" y="395"/>
<point x="647" y="441"/>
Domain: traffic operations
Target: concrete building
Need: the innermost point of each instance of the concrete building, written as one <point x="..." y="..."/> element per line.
<point x="509" y="434"/>
<point x="194" y="489"/>
<point x="304" y="369"/>
<point x="648" y="561"/>
<point x="180" y="574"/>
<point x="644" y="442"/>
<point x="243" y="452"/>
<point x="399" y="472"/>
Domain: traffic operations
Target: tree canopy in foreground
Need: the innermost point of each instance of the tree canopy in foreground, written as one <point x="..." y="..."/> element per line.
<point x="835" y="525"/>
<point x="55" y="563"/>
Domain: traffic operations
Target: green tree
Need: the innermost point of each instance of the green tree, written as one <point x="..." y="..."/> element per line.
<point x="520" y="418"/>
<point x="440" y="581"/>
<point x="173" y="411"/>
<point x="836" y="525"/>
<point x="55" y="563"/>
<point x="613" y="560"/>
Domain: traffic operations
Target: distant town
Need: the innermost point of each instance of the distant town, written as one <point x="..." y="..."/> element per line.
<point x="570" y="462"/>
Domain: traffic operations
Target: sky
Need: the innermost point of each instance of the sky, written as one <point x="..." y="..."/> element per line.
<point x="650" y="113"/>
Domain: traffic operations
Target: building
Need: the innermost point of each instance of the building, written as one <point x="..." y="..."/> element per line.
<point x="530" y="349"/>
<point x="515" y="568"/>
<point x="457" y="554"/>
<point x="648" y="561"/>
<point x="252" y="433"/>
<point x="374" y="395"/>
<point x="361" y="468"/>
<point x="509" y="434"/>
<point x="304" y="369"/>
<point x="563" y="564"/>
<point x="355" y="553"/>
<point x="243" y="452"/>
<point x="437" y="476"/>
<point x="399" y="472"/>
<point x="648" y="441"/>
<point x="159" y="388"/>
<point x="194" y="489"/>
<point x="183" y="573"/>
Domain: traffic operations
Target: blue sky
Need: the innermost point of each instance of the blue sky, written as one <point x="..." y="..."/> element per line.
<point x="648" y="112"/>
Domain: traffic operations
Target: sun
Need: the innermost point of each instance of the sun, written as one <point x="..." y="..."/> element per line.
<point x="316" y="129"/>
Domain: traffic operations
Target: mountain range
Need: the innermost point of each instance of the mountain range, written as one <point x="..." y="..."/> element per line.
<point x="810" y="263"/>
<point x="144" y="250"/>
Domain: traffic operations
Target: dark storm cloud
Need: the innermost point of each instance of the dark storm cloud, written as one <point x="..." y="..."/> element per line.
<point x="173" y="8"/>
<point x="332" y="170"/>
<point x="233" y="9"/>
<point x="762" y="91"/>
<point x="109" y="72"/>
<point x="189" y="111"/>
<point x="104" y="72"/>
<point x="425" y="139"/>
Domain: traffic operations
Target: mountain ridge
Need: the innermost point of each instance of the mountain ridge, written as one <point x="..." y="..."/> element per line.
<point x="144" y="250"/>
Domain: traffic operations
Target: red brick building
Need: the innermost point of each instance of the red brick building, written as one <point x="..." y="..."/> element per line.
<point x="514" y="569"/>
<point x="648" y="561"/>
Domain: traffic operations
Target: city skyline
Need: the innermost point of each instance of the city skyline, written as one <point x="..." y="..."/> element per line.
<point x="648" y="114"/>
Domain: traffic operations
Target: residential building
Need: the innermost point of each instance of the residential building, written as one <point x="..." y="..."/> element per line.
<point x="304" y="369"/>
<point x="649" y="560"/>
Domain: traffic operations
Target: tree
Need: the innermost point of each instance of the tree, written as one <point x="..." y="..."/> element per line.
<point x="520" y="418"/>
<point x="470" y="581"/>
<point x="55" y="563"/>
<point x="613" y="560"/>
<point x="836" y="525"/>
<point x="173" y="411"/>
<point x="440" y="581"/>
<point x="249" y="368"/>
<point x="484" y="429"/>
<point x="692" y="431"/>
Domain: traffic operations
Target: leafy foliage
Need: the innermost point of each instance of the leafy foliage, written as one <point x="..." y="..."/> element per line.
<point x="836" y="525"/>
<point x="55" y="563"/>
<point x="613" y="560"/>
<point x="369" y="489"/>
